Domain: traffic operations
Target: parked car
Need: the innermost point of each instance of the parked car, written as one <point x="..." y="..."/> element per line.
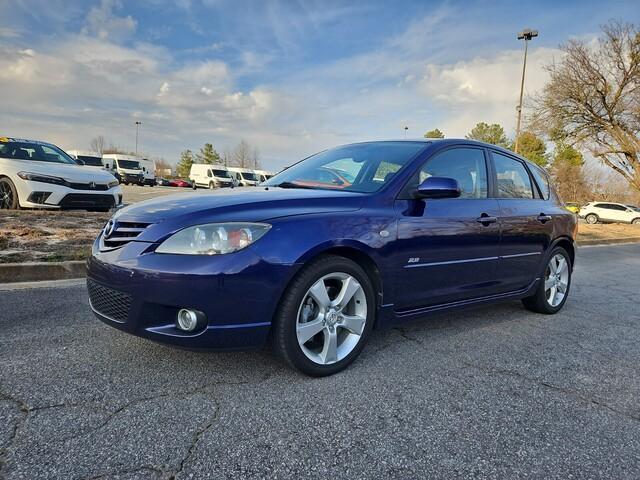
<point x="244" y="177"/>
<point x="609" y="212"/>
<point x="210" y="176"/>
<point x="35" y="174"/>
<point x="126" y="168"/>
<point x="425" y="226"/>
<point x="326" y="178"/>
<point x="572" y="207"/>
<point x="164" y="182"/>
<point x="179" y="182"/>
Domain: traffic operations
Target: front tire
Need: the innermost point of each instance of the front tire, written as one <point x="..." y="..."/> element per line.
<point x="212" y="186"/>
<point x="592" y="218"/>
<point x="552" y="293"/>
<point x="325" y="316"/>
<point x="8" y="195"/>
<point x="635" y="221"/>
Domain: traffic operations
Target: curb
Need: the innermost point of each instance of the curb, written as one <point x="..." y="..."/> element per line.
<point x="607" y="241"/>
<point x="38" y="271"/>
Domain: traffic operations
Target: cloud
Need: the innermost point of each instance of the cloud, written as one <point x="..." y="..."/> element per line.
<point x="103" y="22"/>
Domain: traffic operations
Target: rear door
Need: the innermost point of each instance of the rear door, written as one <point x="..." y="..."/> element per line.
<point x="447" y="249"/>
<point x="527" y="223"/>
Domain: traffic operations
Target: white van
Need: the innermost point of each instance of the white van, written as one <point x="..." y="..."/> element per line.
<point x="126" y="168"/>
<point x="87" y="158"/>
<point x="263" y="175"/>
<point x="148" y="171"/>
<point x="244" y="176"/>
<point x="210" y="176"/>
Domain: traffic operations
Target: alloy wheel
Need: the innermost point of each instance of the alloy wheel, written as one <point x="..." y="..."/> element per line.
<point x="6" y="196"/>
<point x="556" y="280"/>
<point x="331" y="318"/>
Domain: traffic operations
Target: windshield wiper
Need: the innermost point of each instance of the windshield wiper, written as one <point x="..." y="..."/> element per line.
<point x="291" y="185"/>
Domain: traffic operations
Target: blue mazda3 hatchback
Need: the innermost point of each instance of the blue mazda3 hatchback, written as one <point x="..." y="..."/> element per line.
<point x="351" y="239"/>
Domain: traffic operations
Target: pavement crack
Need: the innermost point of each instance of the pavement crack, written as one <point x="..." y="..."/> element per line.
<point x="551" y="386"/>
<point x="196" y="440"/>
<point x="24" y="410"/>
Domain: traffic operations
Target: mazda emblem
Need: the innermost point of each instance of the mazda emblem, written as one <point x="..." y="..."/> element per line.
<point x="109" y="228"/>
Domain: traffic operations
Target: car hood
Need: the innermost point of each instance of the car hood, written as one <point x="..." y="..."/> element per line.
<point x="252" y="204"/>
<point x="72" y="173"/>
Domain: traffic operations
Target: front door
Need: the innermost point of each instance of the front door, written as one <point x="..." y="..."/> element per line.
<point x="447" y="249"/>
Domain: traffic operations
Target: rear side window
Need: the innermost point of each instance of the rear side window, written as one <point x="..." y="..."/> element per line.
<point x="542" y="180"/>
<point x="513" y="179"/>
<point x="466" y="165"/>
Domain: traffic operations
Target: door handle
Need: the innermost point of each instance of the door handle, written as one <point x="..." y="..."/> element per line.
<point x="542" y="218"/>
<point x="486" y="220"/>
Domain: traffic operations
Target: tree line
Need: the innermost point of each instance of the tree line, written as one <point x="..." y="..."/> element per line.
<point x="243" y="155"/>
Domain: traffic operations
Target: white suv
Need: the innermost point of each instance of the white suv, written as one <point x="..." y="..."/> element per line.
<point x="607" y="212"/>
<point x="36" y="174"/>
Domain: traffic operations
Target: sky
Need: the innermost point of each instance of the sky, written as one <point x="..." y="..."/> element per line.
<point x="290" y="77"/>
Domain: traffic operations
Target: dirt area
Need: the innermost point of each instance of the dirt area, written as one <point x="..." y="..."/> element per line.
<point x="607" y="231"/>
<point x="41" y="236"/>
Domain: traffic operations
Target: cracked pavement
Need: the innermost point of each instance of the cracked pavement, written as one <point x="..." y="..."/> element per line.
<point x="496" y="392"/>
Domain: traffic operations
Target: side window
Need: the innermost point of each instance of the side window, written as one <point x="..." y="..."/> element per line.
<point x="513" y="179"/>
<point x="542" y="180"/>
<point x="209" y="174"/>
<point x="466" y="165"/>
<point x="618" y="207"/>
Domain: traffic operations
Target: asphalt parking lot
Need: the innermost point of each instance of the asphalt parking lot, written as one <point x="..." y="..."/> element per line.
<point x="136" y="193"/>
<point x="492" y="393"/>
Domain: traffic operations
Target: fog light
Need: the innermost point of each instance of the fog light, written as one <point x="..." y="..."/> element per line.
<point x="189" y="320"/>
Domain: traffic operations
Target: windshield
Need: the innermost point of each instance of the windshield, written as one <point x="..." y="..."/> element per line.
<point x="91" y="161"/>
<point x="221" y="173"/>
<point x="249" y="176"/>
<point x="36" y="152"/>
<point x="364" y="167"/>
<point x="129" y="164"/>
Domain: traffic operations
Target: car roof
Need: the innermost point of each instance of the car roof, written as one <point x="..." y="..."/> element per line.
<point x="25" y="140"/>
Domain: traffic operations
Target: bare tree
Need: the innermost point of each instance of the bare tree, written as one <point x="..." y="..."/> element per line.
<point x="241" y="156"/>
<point x="97" y="144"/>
<point x="592" y="99"/>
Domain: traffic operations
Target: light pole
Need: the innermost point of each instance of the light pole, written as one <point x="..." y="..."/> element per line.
<point x="406" y="129"/>
<point x="526" y="35"/>
<point x="137" y="125"/>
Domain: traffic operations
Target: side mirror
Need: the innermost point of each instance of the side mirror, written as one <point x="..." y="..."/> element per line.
<point x="439" y="187"/>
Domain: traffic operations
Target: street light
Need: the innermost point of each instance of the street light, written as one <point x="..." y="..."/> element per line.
<point x="526" y="35"/>
<point x="137" y="125"/>
<point x="406" y="129"/>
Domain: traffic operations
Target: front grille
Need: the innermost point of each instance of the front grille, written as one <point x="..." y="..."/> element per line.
<point x="123" y="233"/>
<point x="98" y="187"/>
<point x="109" y="303"/>
<point x="87" y="200"/>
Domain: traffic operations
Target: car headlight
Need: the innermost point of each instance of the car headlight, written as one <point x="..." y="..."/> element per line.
<point x="213" y="238"/>
<point x="38" y="177"/>
<point x="114" y="183"/>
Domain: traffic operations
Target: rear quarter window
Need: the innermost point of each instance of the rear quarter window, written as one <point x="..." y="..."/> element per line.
<point x="542" y="179"/>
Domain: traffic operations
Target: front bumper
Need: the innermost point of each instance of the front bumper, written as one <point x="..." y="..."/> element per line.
<point x="31" y="195"/>
<point x="238" y="293"/>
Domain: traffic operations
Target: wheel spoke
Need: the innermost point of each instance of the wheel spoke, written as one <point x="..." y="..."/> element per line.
<point x="349" y="287"/>
<point x="562" y="287"/>
<point x="353" y="323"/>
<point x="552" y="295"/>
<point x="306" y="331"/>
<point x="553" y="266"/>
<point x="329" y="353"/>
<point x="562" y="265"/>
<point x="319" y="293"/>
<point x="548" y="283"/>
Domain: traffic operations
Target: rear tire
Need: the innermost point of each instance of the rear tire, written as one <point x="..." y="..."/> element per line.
<point x="8" y="195"/>
<point x="553" y="288"/>
<point x="592" y="218"/>
<point x="338" y="330"/>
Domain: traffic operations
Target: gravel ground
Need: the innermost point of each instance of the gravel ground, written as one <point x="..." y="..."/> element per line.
<point x="492" y="393"/>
